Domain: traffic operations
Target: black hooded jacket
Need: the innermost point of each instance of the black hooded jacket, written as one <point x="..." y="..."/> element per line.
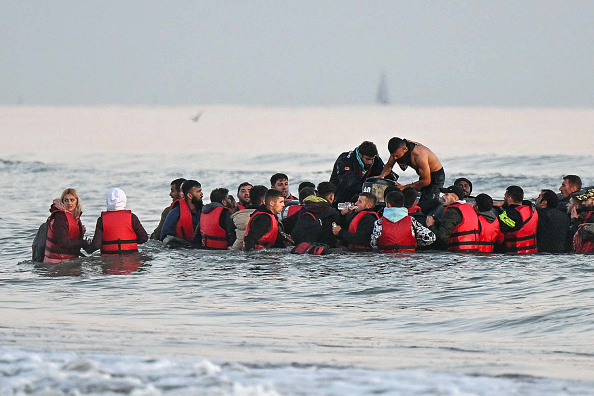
<point x="348" y="176"/>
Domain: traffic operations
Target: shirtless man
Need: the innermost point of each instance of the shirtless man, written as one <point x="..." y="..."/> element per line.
<point x="422" y="160"/>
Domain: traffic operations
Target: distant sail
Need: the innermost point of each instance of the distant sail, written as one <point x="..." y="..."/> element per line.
<point x="382" y="91"/>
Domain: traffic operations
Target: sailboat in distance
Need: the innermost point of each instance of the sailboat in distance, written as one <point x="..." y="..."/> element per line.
<point x="382" y="90"/>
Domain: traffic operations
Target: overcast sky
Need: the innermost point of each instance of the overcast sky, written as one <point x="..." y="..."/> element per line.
<point x="297" y="53"/>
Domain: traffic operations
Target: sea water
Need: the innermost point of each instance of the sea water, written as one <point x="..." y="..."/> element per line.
<point x="272" y="323"/>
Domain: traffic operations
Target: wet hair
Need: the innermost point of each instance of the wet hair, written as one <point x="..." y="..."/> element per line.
<point x="177" y="183"/>
<point x="458" y="180"/>
<point x="78" y="209"/>
<point x="551" y="197"/>
<point x="325" y="189"/>
<point x="515" y="193"/>
<point x="272" y="195"/>
<point x="370" y="197"/>
<point x="388" y="190"/>
<point x="278" y="176"/>
<point x="306" y="192"/>
<point x="188" y="185"/>
<point x="242" y="185"/>
<point x="574" y="181"/>
<point x="395" y="199"/>
<point x="483" y="202"/>
<point x="395" y="143"/>
<point x="257" y="194"/>
<point x="410" y="196"/>
<point x="368" y="148"/>
<point x="304" y="184"/>
<point x="218" y="195"/>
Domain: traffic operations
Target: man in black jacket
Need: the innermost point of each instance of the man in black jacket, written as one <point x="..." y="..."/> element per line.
<point x="263" y="229"/>
<point x="358" y="223"/>
<point x="352" y="168"/>
<point x="552" y="233"/>
<point x="314" y="220"/>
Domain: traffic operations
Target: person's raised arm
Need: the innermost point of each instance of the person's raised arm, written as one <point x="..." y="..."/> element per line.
<point x="388" y="167"/>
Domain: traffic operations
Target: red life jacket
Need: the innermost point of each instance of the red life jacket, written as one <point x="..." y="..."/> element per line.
<point x="118" y="235"/>
<point x="185" y="227"/>
<point x="489" y="234"/>
<point x="397" y="237"/>
<point x="580" y="245"/>
<point x="354" y="225"/>
<point x="213" y="235"/>
<point x="465" y="235"/>
<point x="523" y="241"/>
<point x="268" y="239"/>
<point x="414" y="209"/>
<point x="291" y="210"/>
<point x="588" y="216"/>
<point x="54" y="253"/>
<point x="240" y="207"/>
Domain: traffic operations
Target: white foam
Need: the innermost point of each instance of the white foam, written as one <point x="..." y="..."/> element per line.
<point x="54" y="373"/>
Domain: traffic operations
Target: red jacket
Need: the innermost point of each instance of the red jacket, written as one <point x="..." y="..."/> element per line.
<point x="54" y="253"/>
<point x="397" y="237"/>
<point x="523" y="241"/>
<point x="354" y="225"/>
<point x="268" y="239"/>
<point x="490" y="233"/>
<point x="185" y="226"/>
<point x="118" y="235"/>
<point x="213" y="235"/>
<point x="465" y="235"/>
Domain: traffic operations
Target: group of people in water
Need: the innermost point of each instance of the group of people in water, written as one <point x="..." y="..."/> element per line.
<point x="361" y="208"/>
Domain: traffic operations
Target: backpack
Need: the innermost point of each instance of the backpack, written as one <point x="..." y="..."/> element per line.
<point x="308" y="228"/>
<point x="316" y="249"/>
<point x="38" y="246"/>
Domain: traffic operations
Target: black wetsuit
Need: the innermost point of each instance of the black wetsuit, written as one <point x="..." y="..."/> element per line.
<point x="430" y="191"/>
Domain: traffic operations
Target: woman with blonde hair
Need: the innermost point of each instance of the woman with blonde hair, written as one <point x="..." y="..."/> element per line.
<point x="65" y="231"/>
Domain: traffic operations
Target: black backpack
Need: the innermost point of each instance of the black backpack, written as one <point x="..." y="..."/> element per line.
<point x="38" y="246"/>
<point x="308" y="228"/>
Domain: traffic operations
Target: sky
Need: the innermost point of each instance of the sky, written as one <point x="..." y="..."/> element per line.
<point x="297" y="53"/>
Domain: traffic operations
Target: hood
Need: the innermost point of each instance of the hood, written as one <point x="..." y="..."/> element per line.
<point x="210" y="207"/>
<point x="313" y="198"/>
<point x="320" y="207"/>
<point x="489" y="215"/>
<point x="395" y="214"/>
<point x="56" y="205"/>
<point x="116" y="199"/>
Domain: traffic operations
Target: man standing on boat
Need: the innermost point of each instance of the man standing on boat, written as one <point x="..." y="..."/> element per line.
<point x="422" y="160"/>
<point x="352" y="168"/>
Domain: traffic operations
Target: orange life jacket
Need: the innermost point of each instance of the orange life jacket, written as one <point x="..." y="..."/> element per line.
<point x="354" y="225"/>
<point x="397" y="237"/>
<point x="489" y="234"/>
<point x="268" y="239"/>
<point x="118" y="235"/>
<point x="465" y="235"/>
<point x="213" y="235"/>
<point x="54" y="253"/>
<point x="523" y="241"/>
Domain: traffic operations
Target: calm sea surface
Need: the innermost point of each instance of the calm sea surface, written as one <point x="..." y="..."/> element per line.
<point x="272" y="323"/>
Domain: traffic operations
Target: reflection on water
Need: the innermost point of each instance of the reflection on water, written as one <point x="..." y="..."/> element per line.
<point x="122" y="265"/>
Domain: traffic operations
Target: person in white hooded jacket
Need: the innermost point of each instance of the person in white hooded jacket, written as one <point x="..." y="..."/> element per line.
<point x="118" y="231"/>
<point x="396" y="231"/>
